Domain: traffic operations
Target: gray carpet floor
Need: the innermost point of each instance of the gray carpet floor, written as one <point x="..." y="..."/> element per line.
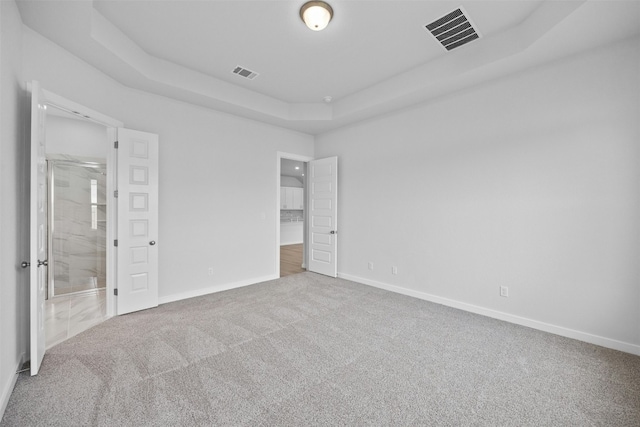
<point x="309" y="350"/>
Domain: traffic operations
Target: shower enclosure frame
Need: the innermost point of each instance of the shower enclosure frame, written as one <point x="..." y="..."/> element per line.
<point x="51" y="163"/>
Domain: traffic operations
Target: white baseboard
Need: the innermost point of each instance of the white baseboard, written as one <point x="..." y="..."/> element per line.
<point x="213" y="289"/>
<point x="535" y="324"/>
<point x="7" y="388"/>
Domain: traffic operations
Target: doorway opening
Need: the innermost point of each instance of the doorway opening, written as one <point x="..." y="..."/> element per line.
<point x="76" y="155"/>
<point x="292" y="219"/>
<point x="292" y="207"/>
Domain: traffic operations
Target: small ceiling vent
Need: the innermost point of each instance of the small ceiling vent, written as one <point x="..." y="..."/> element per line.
<point x="241" y="71"/>
<point x="453" y="30"/>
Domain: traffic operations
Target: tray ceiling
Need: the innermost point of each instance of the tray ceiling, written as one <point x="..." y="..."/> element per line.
<point x="373" y="58"/>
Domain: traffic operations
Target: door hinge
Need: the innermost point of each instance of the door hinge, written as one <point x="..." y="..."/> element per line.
<point x="115" y="291"/>
<point x="115" y="242"/>
<point x="115" y="194"/>
<point x="115" y="144"/>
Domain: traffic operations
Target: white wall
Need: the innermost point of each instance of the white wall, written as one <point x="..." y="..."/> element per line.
<point x="531" y="182"/>
<point x="13" y="285"/>
<point x="206" y="219"/>
<point x="290" y="181"/>
<point x="80" y="138"/>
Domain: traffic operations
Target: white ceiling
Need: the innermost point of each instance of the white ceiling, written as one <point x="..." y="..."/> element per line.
<point x="373" y="58"/>
<point x="288" y="168"/>
<point x="366" y="42"/>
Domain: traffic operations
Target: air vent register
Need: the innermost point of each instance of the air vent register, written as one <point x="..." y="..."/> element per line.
<point x="453" y="30"/>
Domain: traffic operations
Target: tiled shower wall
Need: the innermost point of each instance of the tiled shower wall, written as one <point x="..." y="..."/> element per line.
<point x="78" y="240"/>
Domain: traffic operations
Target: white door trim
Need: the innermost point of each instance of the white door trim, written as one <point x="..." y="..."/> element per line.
<point x="290" y="156"/>
<point x="112" y="125"/>
<point x="80" y="110"/>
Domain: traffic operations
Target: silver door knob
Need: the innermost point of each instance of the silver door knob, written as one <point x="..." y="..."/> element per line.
<point x="333" y="232"/>
<point x="42" y="263"/>
<point x="25" y="264"/>
<point x="153" y="242"/>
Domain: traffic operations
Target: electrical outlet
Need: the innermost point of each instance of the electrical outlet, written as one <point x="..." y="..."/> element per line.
<point x="210" y="271"/>
<point x="504" y="291"/>
<point x="370" y="265"/>
<point x="394" y="270"/>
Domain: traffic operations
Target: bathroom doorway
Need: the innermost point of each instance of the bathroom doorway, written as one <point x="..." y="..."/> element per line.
<point x="76" y="155"/>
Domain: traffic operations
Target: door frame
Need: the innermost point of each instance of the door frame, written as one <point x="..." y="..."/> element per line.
<point x="112" y="126"/>
<point x="289" y="156"/>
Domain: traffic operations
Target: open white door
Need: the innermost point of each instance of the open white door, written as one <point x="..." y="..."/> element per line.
<point x="323" y="213"/>
<point x="137" y="258"/>
<point x="37" y="227"/>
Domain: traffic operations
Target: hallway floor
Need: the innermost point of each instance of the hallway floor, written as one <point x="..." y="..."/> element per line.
<point x="68" y="315"/>
<point x="291" y="260"/>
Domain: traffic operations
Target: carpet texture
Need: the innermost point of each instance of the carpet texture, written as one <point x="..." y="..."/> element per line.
<point x="309" y="350"/>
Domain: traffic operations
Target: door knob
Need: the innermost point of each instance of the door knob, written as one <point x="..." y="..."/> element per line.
<point x="153" y="242"/>
<point x="333" y="232"/>
<point x="42" y="263"/>
<point x="25" y="264"/>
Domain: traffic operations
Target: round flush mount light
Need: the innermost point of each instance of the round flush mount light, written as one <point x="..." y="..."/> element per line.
<point x="316" y="14"/>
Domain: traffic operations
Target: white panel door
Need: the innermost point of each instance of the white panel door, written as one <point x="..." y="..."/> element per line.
<point x="38" y="227"/>
<point x="323" y="213"/>
<point x="137" y="259"/>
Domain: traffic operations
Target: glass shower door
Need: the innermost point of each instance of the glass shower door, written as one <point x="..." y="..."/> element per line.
<point x="77" y="226"/>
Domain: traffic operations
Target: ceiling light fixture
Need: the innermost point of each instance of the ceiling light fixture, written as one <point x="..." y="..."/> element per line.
<point x="316" y="14"/>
